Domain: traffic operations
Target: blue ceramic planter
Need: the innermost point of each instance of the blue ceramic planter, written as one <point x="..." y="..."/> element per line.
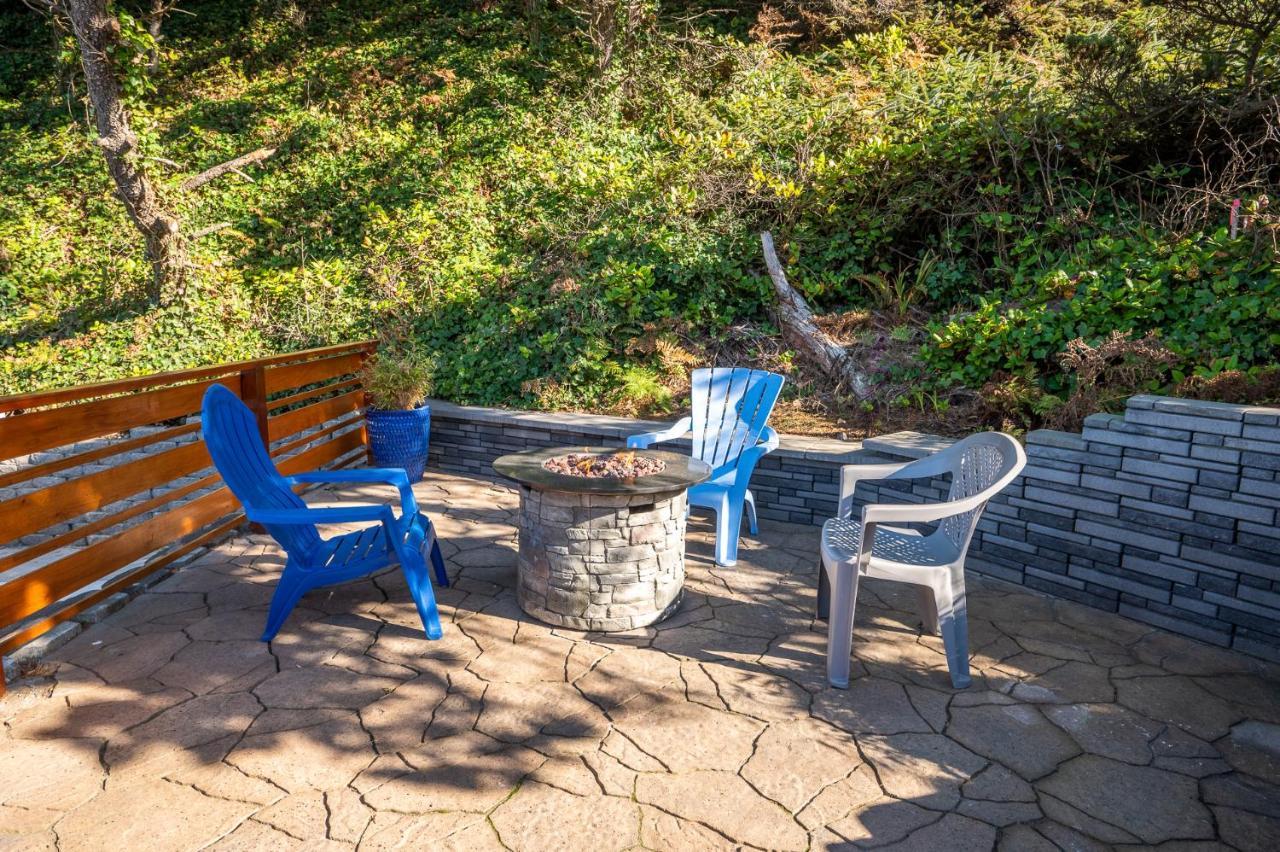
<point x="400" y="439"/>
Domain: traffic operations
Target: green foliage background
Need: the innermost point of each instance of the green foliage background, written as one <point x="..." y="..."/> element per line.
<point x="443" y="173"/>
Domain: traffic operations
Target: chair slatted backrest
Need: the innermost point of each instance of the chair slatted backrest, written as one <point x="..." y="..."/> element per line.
<point x="731" y="406"/>
<point x="236" y="446"/>
<point x="985" y="462"/>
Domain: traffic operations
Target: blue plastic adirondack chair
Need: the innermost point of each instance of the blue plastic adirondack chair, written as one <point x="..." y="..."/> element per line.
<point x="231" y="433"/>
<point x="730" y="408"/>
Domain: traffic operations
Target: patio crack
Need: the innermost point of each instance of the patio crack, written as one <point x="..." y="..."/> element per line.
<point x="736" y="844"/>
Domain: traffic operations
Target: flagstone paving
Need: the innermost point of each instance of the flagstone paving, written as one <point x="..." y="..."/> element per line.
<point x="169" y="726"/>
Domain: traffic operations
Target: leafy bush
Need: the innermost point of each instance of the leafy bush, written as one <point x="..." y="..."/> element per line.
<point x="1213" y="301"/>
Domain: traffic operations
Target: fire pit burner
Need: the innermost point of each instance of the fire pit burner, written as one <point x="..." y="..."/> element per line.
<point x="601" y="534"/>
<point x="620" y="464"/>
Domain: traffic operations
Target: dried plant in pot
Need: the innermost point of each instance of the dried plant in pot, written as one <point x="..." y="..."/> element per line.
<point x="396" y="384"/>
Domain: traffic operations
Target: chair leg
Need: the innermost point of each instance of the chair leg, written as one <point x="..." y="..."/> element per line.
<point x="289" y="590"/>
<point x="824" y="592"/>
<point x="752" y="524"/>
<point x="953" y="620"/>
<point x="844" y="593"/>
<point x="928" y="604"/>
<point x="728" y="529"/>
<point x="437" y="561"/>
<point x="415" y="574"/>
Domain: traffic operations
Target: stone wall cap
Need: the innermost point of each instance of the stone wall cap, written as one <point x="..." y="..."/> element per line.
<point x="1055" y="438"/>
<point x="1198" y="407"/>
<point x="912" y="445"/>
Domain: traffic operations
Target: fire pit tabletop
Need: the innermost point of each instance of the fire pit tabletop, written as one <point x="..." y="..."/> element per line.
<point x="681" y="471"/>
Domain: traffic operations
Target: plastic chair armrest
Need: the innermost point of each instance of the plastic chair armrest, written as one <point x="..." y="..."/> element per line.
<point x="920" y="513"/>
<point x="644" y="439"/>
<point x="389" y="475"/>
<point x="323" y="515"/>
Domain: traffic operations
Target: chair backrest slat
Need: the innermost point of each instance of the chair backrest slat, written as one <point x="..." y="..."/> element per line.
<point x="231" y="433"/>
<point x="980" y="464"/>
<point x="730" y="409"/>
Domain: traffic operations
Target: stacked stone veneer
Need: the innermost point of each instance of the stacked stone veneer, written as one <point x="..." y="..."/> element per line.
<point x="1167" y="513"/>
<point x="799" y="482"/>
<point x="600" y="562"/>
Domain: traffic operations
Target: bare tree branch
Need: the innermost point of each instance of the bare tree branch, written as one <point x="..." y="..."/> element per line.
<point x="229" y="166"/>
<point x="802" y="332"/>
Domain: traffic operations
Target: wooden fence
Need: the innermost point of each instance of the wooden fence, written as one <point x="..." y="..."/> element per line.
<point x="133" y="504"/>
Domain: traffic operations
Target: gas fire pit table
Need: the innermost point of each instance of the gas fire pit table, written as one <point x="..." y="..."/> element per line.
<point x="601" y="533"/>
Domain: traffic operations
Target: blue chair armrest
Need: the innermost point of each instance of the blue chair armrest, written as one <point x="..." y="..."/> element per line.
<point x="389" y="475"/>
<point x="645" y="439"/>
<point x="323" y="515"/>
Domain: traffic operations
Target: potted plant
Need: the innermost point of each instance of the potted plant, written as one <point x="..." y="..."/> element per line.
<point x="398" y="421"/>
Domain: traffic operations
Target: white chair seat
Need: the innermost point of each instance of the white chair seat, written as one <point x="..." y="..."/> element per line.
<point x="895" y="545"/>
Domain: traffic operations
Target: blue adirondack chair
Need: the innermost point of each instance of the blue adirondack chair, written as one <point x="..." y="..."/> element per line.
<point x="729" y="432"/>
<point x="231" y="433"/>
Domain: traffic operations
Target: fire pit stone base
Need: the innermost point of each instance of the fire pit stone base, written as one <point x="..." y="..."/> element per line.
<point x="601" y="562"/>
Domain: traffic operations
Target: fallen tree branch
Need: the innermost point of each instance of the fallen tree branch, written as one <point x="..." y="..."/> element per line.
<point x="802" y="332"/>
<point x="229" y="166"/>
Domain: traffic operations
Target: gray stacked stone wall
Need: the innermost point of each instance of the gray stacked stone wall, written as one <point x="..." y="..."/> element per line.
<point x="1167" y="513"/>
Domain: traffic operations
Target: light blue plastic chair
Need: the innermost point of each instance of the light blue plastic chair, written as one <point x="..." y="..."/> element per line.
<point x="236" y="446"/>
<point x="728" y="427"/>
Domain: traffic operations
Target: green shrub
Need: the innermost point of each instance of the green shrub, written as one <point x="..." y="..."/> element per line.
<point x="1214" y="302"/>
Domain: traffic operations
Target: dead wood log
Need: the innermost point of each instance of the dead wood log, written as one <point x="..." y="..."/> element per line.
<point x="229" y="166"/>
<point x="801" y="331"/>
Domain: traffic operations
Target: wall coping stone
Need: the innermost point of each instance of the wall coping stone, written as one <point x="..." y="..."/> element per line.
<point x="913" y="445"/>
<point x="1198" y="407"/>
<point x="808" y="447"/>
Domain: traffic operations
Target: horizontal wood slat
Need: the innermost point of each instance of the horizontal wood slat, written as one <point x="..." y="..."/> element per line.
<point x="321" y="454"/>
<point x="56" y="427"/>
<point x="292" y="376"/>
<point x="114" y="448"/>
<point x="34" y="630"/>
<point x="318" y="435"/>
<point x="314" y="393"/>
<point x="27" y="401"/>
<point x="310" y="416"/>
<point x="39" y="509"/>
<point x="79" y="531"/>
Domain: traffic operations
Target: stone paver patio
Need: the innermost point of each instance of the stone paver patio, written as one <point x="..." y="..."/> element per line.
<point x="169" y="726"/>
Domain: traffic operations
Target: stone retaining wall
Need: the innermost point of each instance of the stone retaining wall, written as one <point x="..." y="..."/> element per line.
<point x="1166" y="514"/>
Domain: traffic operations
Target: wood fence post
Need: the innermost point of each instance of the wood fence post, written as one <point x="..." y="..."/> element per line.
<point x="253" y="390"/>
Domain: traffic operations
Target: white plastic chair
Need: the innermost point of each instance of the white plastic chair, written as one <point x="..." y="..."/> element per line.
<point x="979" y="466"/>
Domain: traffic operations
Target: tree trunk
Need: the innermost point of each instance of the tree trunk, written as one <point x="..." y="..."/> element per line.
<point x="96" y="30"/>
<point x="800" y="330"/>
<point x="155" y="27"/>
